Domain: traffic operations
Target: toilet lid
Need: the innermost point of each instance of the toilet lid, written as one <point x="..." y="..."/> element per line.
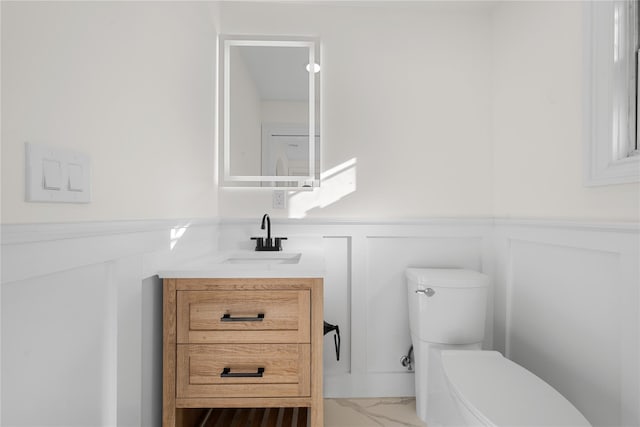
<point x="500" y="392"/>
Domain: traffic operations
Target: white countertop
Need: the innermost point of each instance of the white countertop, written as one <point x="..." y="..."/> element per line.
<point x="247" y="263"/>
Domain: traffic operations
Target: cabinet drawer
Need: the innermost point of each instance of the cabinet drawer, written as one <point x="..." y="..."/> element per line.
<point x="254" y="370"/>
<point x="243" y="316"/>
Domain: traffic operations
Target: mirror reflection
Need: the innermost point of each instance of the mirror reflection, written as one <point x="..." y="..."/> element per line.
<point x="271" y="113"/>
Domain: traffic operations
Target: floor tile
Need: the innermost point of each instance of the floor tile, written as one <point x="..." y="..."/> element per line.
<point x="385" y="412"/>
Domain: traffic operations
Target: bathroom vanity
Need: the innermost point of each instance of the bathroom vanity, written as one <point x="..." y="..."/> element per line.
<point x="245" y="333"/>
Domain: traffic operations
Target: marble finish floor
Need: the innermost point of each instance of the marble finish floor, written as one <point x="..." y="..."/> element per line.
<point x="371" y="412"/>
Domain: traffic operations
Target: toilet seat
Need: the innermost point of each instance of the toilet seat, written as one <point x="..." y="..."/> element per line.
<point x="499" y="392"/>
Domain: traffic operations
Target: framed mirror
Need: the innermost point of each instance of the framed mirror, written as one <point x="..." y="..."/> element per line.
<point x="270" y="112"/>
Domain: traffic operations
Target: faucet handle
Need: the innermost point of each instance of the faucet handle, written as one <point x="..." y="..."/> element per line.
<point x="259" y="242"/>
<point x="278" y="243"/>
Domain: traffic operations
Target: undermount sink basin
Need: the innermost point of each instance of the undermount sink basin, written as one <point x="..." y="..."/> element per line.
<point x="264" y="258"/>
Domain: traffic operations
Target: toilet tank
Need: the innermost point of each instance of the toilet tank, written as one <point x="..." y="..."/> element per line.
<point x="450" y="305"/>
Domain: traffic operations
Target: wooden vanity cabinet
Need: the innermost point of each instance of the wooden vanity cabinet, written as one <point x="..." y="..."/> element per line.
<point x="241" y="343"/>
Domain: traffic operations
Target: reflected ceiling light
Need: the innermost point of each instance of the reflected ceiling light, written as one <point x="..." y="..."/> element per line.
<point x="316" y="68"/>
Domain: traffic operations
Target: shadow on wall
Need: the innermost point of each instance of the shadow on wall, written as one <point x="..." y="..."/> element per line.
<point x="337" y="183"/>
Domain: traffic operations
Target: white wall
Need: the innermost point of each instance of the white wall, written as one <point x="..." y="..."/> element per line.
<point x="132" y="84"/>
<point x="129" y="83"/>
<point x="286" y="112"/>
<point x="567" y="303"/>
<point x="397" y="81"/>
<point x="537" y="121"/>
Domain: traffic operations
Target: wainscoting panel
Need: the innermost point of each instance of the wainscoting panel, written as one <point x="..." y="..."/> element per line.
<point x="80" y="338"/>
<point x="565" y="322"/>
<point x="388" y="337"/>
<point x="365" y="289"/>
<point x="337" y="297"/>
<point x="83" y="299"/>
<point x="59" y="350"/>
<point x="571" y="314"/>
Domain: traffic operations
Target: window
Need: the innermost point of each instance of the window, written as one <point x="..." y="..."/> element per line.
<point x="611" y="92"/>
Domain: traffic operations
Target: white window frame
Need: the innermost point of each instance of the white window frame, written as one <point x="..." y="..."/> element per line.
<point x="610" y="93"/>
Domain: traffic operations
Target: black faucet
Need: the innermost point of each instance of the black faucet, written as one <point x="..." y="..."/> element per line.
<point x="268" y="244"/>
<point x="266" y="217"/>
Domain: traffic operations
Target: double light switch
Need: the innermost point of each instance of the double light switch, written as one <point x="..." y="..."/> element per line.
<point x="55" y="175"/>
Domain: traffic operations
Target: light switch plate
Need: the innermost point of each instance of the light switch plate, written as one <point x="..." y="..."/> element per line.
<point x="56" y="175"/>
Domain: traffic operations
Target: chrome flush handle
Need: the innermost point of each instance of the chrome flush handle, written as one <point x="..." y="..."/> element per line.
<point x="428" y="292"/>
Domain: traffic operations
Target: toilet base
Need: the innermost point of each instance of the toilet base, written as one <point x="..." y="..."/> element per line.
<point x="434" y="403"/>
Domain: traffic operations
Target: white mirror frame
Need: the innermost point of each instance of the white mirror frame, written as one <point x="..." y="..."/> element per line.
<point x="226" y="42"/>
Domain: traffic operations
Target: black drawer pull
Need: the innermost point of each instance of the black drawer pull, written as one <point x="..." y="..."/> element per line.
<point x="226" y="373"/>
<point x="228" y="318"/>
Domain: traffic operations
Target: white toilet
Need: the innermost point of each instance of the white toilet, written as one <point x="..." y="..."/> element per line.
<point x="457" y="384"/>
